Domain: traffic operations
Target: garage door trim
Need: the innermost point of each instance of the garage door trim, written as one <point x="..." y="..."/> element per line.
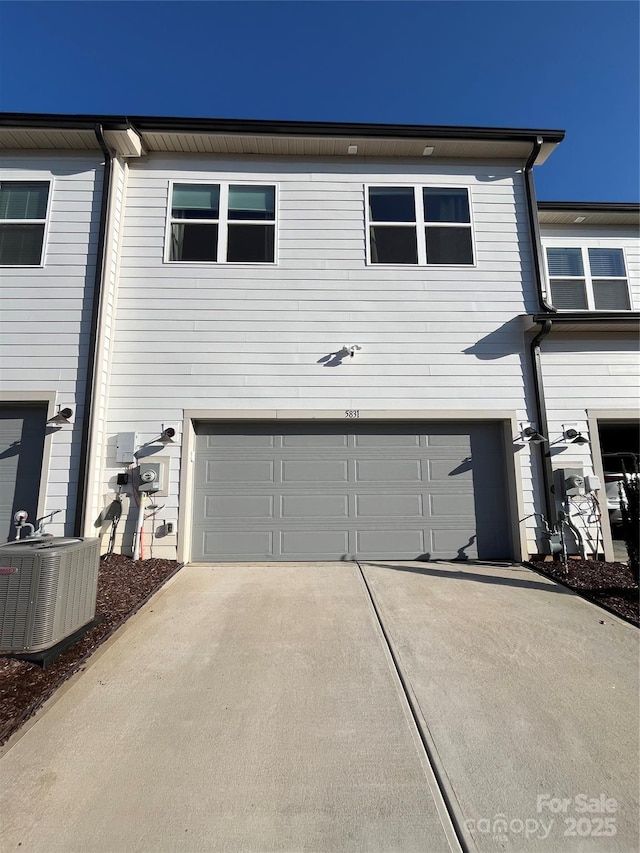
<point x="507" y="418"/>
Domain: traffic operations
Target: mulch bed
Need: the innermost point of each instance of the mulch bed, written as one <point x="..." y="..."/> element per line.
<point x="123" y="587"/>
<point x="609" y="584"/>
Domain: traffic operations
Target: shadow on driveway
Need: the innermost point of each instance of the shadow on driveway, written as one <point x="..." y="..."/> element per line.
<point x="472" y="574"/>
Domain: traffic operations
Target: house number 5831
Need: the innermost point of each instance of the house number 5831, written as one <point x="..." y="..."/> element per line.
<point x="352" y="413"/>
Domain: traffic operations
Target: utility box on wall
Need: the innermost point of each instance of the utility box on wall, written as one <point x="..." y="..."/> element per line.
<point x="126" y="443"/>
<point x="569" y="482"/>
<point x="154" y="474"/>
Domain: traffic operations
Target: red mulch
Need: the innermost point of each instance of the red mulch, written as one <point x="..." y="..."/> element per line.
<point x="123" y="586"/>
<point x="608" y="584"/>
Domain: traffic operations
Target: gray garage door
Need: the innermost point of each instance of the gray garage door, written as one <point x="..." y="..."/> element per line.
<point x="22" y="431"/>
<point x="325" y="491"/>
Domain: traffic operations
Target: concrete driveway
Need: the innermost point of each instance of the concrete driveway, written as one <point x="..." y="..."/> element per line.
<point x="267" y="708"/>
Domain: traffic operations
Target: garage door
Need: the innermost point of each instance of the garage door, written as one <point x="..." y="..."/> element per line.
<point x="321" y="491"/>
<point x="22" y="431"/>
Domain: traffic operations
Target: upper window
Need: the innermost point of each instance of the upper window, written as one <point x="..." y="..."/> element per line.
<point x="419" y="225"/>
<point x="223" y="223"/>
<point x="584" y="279"/>
<point x="23" y="214"/>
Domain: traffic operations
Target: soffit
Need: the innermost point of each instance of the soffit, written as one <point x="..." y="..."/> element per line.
<point x="591" y="217"/>
<point x="49" y="138"/>
<point x="309" y="146"/>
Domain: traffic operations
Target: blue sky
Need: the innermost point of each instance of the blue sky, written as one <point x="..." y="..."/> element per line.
<point x="570" y="65"/>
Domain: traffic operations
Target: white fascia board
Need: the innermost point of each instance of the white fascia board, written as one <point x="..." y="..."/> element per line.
<point x="126" y="142"/>
<point x="547" y="149"/>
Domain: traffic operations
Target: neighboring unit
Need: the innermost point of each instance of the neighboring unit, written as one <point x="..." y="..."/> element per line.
<point x="307" y="341"/>
<point x="589" y="361"/>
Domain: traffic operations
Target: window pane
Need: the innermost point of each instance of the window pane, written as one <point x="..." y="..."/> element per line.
<point x="195" y="201"/>
<point x="449" y="245"/>
<point x="392" y="204"/>
<point x="569" y="294"/>
<point x="251" y="243"/>
<point x="252" y="202"/>
<point x="611" y="295"/>
<point x="23" y="199"/>
<point x="606" y="262"/>
<point x="565" y="262"/>
<point x="445" y="205"/>
<point x="194" y="242"/>
<point x="393" y="245"/>
<point x="21" y="245"/>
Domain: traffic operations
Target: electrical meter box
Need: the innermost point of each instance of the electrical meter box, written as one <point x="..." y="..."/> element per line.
<point x="570" y="482"/>
<point x="151" y="476"/>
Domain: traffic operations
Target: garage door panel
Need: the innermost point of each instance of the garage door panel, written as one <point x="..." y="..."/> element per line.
<point x="389" y="506"/>
<point x="391" y="442"/>
<point x="309" y="491"/>
<point x="315" y="440"/>
<point x="452" y="506"/>
<point x="238" y="506"/>
<point x="221" y="544"/>
<point x="237" y="471"/>
<point x="315" y="506"/>
<point x="458" y="542"/>
<point x="442" y="470"/>
<point x="315" y="471"/>
<point x="449" y="439"/>
<point x="389" y="471"/>
<point x="393" y="541"/>
<point x="242" y="442"/>
<point x="312" y="542"/>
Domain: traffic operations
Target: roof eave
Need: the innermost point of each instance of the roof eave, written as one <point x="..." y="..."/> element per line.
<point x="589" y="206"/>
<point x="160" y="124"/>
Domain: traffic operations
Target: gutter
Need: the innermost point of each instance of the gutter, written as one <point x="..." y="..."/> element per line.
<point x="590" y="206"/>
<point x="90" y="383"/>
<point x="56" y="121"/>
<point x="159" y="124"/>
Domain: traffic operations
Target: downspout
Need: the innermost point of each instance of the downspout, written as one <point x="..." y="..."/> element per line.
<point x="536" y="361"/>
<point x="534" y="226"/>
<point x="543" y="426"/>
<point x="90" y="384"/>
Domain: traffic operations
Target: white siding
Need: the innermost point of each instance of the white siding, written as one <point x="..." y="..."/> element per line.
<point x="594" y="372"/>
<point x="253" y="336"/>
<point x="45" y="312"/>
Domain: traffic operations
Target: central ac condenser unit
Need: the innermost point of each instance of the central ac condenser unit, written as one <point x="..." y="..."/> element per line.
<point x="48" y="590"/>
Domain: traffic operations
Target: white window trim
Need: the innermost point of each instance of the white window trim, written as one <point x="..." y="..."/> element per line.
<point x="588" y="278"/>
<point x="222" y="222"/>
<point x="420" y="224"/>
<point x="31" y="179"/>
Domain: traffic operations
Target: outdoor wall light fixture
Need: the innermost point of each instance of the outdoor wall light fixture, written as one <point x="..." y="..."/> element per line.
<point x="62" y="416"/>
<point x="575" y="437"/>
<point x="350" y="350"/>
<point x="532" y="435"/>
